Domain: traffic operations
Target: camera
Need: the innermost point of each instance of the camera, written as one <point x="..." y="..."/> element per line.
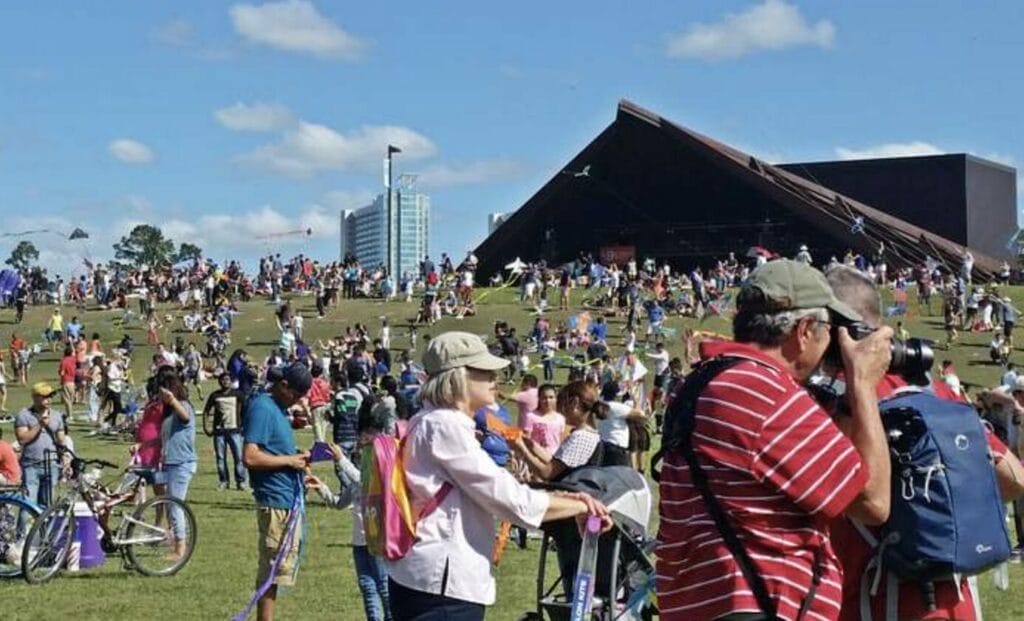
<point x="911" y="359"/>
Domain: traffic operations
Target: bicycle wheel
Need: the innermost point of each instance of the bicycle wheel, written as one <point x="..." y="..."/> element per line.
<point x="17" y="515"/>
<point x="160" y="537"/>
<point x="48" y="543"/>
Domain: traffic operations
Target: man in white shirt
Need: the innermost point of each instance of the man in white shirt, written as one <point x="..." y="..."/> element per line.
<point x="614" y="429"/>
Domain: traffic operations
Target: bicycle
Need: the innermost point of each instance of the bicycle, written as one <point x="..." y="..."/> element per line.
<point x="155" y="537"/>
<point x="17" y="514"/>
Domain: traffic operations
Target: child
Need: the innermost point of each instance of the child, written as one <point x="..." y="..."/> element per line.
<point x="547" y="358"/>
<point x="10" y="469"/>
<point x="371" y="571"/>
<point x="385" y="333"/>
<point x="153" y="330"/>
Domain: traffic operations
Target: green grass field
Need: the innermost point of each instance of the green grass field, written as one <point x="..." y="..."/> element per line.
<point x="218" y="581"/>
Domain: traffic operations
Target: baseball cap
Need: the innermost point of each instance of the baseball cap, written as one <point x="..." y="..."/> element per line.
<point x="1018" y="385"/>
<point x="452" y="350"/>
<point x="298" y="377"/>
<point x="791" y="285"/>
<point x="42" y="389"/>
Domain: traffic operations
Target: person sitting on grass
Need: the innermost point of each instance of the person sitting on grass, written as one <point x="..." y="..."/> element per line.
<point x="371" y="571"/>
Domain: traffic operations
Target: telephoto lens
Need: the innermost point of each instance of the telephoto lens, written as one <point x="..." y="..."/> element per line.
<point x="911" y="359"/>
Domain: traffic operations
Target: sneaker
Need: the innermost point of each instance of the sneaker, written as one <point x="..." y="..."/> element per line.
<point x="243" y="486"/>
<point x="222" y="486"/>
<point x="1015" y="554"/>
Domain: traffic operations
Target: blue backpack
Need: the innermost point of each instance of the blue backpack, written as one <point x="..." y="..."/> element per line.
<point x="947" y="516"/>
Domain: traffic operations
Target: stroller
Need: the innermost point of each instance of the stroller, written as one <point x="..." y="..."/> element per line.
<point x="625" y="573"/>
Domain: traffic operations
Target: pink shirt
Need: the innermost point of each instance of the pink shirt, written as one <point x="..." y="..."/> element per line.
<point x="547" y="431"/>
<point x="148" y="434"/>
<point x="527" y="402"/>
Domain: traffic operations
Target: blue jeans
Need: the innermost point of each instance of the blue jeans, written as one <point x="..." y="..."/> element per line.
<point x="38" y="487"/>
<point x="372" y="574"/>
<point x="38" y="483"/>
<point x="178" y="478"/>
<point x="221" y="442"/>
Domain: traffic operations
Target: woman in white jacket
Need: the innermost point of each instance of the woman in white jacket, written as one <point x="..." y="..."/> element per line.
<point x="447" y="573"/>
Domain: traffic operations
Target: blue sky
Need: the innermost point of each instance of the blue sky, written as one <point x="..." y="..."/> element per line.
<point x="224" y="122"/>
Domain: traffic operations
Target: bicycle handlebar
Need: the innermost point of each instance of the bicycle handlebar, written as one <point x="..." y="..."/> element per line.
<point x="99" y="462"/>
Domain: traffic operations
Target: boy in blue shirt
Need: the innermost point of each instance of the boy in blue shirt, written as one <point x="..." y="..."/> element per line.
<point x="275" y="470"/>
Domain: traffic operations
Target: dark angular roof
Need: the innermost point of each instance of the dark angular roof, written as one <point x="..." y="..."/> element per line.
<point x="823" y="209"/>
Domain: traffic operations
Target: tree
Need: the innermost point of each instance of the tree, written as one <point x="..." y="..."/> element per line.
<point x="189" y="252"/>
<point x="144" y="245"/>
<point x="22" y="256"/>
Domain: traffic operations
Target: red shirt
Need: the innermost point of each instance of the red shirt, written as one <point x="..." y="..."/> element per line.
<point x="68" y="365"/>
<point x="781" y="470"/>
<point x="855" y="553"/>
<point x="9" y="466"/>
<point x="319" y="393"/>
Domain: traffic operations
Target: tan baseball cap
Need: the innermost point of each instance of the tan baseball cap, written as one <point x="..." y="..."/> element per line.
<point x="452" y="350"/>
<point x="791" y="285"/>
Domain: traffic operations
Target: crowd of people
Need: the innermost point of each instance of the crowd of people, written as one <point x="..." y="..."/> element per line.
<point x="794" y="479"/>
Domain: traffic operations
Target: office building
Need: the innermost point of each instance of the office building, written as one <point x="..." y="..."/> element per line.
<point x="364" y="231"/>
<point x="494" y="220"/>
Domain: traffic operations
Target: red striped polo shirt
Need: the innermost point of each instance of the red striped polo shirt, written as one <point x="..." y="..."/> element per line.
<point x="781" y="470"/>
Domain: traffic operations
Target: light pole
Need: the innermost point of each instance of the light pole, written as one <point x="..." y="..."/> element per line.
<point x="388" y="182"/>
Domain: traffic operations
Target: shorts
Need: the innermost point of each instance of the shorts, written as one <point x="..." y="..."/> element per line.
<point x="68" y="392"/>
<point x="273" y="524"/>
<point x="1008" y="328"/>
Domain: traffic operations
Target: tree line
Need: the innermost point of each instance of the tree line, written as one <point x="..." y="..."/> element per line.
<point x="144" y="245"/>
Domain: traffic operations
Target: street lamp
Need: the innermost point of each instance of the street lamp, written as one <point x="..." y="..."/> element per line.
<point x="387" y="184"/>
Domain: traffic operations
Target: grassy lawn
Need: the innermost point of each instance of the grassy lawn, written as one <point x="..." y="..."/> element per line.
<point x="219" y="579"/>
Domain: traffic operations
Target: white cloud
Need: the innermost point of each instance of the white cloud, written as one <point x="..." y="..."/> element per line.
<point x="337" y="200"/>
<point x="891" y="149"/>
<point x="770" y="26"/>
<point x="1000" y="158"/>
<point x="175" y="32"/>
<point x="310" y="148"/>
<point x="256" y="117"/>
<point x="295" y="26"/>
<point x="130" y="151"/>
<point x="484" y="171"/>
<point x="222" y="234"/>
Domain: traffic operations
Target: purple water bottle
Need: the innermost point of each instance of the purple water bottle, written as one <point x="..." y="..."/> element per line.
<point x="583" y="587"/>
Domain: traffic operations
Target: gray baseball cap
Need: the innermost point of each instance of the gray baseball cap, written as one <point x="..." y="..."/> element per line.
<point x="452" y="350"/>
<point x="791" y="285"/>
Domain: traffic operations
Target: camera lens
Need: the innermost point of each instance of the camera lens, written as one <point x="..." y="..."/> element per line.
<point x="911" y="359"/>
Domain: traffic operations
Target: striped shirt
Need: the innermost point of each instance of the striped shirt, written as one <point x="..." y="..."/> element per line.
<point x="781" y="469"/>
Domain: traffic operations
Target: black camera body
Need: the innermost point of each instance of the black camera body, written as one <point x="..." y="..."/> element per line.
<point x="911" y="359"/>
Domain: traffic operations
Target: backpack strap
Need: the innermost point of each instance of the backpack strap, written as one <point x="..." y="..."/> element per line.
<point x="688" y="393"/>
<point x="681" y="439"/>
<point x="678" y="435"/>
<point x="435" y="501"/>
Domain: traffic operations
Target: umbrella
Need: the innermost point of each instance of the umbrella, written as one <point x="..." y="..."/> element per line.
<point x="760" y="251"/>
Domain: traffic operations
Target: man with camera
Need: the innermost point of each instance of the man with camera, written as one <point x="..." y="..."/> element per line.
<point x="952" y="600"/>
<point x="754" y="467"/>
